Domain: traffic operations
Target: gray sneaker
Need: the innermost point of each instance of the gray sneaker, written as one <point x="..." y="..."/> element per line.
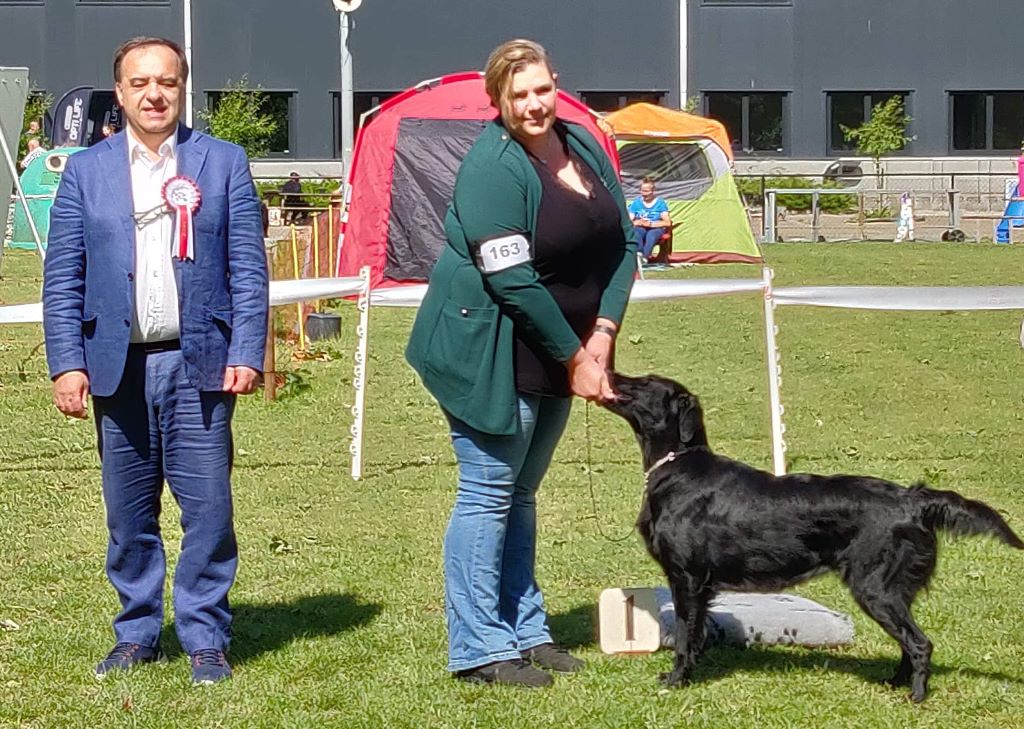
<point x="553" y="658"/>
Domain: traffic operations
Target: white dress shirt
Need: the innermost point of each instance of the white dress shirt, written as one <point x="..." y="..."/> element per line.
<point x="156" y="292"/>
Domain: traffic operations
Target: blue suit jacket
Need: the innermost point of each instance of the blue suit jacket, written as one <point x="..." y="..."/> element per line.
<point x="88" y="293"/>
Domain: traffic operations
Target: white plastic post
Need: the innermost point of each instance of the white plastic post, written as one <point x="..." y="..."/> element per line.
<point x="359" y="375"/>
<point x="769" y="217"/>
<point x="774" y="376"/>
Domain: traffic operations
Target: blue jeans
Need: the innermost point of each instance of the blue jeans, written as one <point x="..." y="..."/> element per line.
<point x="495" y="608"/>
<point x="158" y="427"/>
<point x="647" y="238"/>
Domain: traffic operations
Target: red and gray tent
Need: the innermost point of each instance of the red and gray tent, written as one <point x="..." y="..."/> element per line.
<point x="403" y="171"/>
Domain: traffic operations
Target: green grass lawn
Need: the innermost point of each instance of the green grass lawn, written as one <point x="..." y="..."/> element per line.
<point x="338" y="604"/>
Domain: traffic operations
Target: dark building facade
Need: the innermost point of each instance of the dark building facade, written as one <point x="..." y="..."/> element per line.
<point x="808" y="66"/>
<point x="782" y="74"/>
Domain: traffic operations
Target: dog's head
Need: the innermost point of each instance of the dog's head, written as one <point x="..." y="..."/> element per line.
<point x="664" y="415"/>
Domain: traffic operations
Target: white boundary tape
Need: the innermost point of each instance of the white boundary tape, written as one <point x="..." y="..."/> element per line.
<point x="881" y="298"/>
<point x="287" y="292"/>
<point x="21" y="314"/>
<point x="281" y="292"/>
<point x="905" y="298"/>
<point x="311" y="289"/>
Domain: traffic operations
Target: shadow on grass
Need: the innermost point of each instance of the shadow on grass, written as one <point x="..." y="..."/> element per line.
<point x="260" y="628"/>
<point x="721" y="661"/>
<point x="576" y="628"/>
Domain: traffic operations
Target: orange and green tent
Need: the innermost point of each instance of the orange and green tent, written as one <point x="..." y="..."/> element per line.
<point x="690" y="159"/>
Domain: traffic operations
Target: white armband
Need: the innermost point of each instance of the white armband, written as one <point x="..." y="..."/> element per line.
<point x="497" y="254"/>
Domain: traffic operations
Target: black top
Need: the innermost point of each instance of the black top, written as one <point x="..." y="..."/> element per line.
<point x="576" y="247"/>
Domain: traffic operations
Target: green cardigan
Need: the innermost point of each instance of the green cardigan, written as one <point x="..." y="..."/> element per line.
<point x="462" y="341"/>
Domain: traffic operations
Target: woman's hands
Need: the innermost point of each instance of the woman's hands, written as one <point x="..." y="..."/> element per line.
<point x="588" y="368"/>
<point x="601" y="343"/>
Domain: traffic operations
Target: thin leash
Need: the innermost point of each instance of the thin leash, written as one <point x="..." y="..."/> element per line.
<point x="590" y="480"/>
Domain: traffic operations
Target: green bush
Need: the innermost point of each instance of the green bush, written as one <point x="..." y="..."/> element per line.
<point x="750" y="188"/>
<point x="36" y="106"/>
<point x="240" y="116"/>
<point x="882" y="212"/>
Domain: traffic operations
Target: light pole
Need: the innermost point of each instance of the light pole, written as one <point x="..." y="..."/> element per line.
<point x="344" y="7"/>
<point x="187" y="8"/>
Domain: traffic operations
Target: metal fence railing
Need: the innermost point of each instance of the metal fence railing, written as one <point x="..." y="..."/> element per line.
<point x="945" y="206"/>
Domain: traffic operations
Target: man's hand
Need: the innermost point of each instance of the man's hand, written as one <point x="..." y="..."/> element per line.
<point x="240" y="380"/>
<point x="71" y="393"/>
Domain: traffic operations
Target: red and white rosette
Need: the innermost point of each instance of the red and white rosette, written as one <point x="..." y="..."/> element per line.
<point x="182" y="196"/>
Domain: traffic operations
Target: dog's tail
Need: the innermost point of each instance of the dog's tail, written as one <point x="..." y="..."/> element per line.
<point x="951" y="512"/>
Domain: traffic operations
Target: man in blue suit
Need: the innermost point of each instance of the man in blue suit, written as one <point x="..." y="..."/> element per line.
<point x="155" y="303"/>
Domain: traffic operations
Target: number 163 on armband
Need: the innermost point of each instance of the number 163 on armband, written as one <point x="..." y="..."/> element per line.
<point x="497" y="254"/>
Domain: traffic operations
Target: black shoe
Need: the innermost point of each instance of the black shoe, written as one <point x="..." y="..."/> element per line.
<point x="209" y="666"/>
<point x="125" y="655"/>
<point x="515" y="672"/>
<point x="553" y="658"/>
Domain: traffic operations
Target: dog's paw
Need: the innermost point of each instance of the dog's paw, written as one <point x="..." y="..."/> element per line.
<point x="673" y="679"/>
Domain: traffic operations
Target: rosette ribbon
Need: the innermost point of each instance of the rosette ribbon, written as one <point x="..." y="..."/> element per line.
<point x="182" y="196"/>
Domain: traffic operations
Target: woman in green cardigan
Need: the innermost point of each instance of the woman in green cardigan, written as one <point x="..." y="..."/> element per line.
<point x="521" y="313"/>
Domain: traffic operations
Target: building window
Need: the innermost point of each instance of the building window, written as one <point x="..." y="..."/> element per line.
<point x="851" y="109"/>
<point x="279" y="105"/>
<point x="615" y="100"/>
<point x="987" y="121"/>
<point x="755" y="122"/>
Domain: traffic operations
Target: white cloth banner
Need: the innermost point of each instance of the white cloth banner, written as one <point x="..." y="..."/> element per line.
<point x="399" y="295"/>
<point x="21" y="314"/>
<point x="904" y="298"/>
<point x="660" y="289"/>
<point x="311" y="289"/>
<point x="645" y="290"/>
<point x="883" y="298"/>
<point x="281" y="292"/>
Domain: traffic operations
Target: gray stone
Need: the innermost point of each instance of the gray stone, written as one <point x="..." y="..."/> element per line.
<point x="744" y="618"/>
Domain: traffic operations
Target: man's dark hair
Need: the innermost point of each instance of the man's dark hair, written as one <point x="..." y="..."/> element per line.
<point x="141" y="42"/>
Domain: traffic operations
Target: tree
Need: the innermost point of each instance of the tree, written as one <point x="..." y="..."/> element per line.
<point x="36" y="107"/>
<point x="885" y="132"/>
<point x="239" y="115"/>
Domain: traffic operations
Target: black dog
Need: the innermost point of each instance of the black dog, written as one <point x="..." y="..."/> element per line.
<point x="715" y="524"/>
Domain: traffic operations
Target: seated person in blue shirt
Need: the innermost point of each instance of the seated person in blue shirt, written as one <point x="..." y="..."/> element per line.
<point x="650" y="218"/>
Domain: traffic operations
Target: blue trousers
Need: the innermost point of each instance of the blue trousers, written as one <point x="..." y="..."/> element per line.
<point x="494" y="607"/>
<point x="157" y="427"/>
<point x="647" y="238"/>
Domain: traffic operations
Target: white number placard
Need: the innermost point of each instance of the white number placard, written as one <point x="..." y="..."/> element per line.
<point x="497" y="254"/>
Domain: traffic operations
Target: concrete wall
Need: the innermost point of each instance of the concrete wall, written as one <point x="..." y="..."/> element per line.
<point x="806" y="49"/>
<point x="294" y="46"/>
<point x="66" y="44"/>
